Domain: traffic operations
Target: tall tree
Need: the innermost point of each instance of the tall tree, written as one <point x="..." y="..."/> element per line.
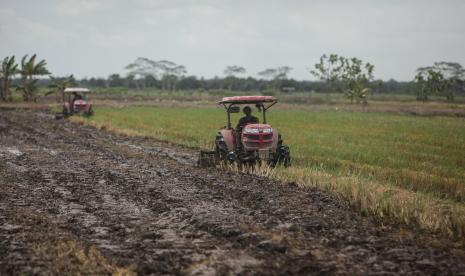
<point x="231" y="72"/>
<point x="30" y="69"/>
<point x="268" y="73"/>
<point x="140" y="69"/>
<point x="430" y="82"/>
<point x="330" y="68"/>
<point x="453" y="72"/>
<point x="8" y="70"/>
<point x="351" y="75"/>
<point x="276" y="75"/>
<point x="115" y="80"/>
<point x="172" y="72"/>
<point x="282" y="72"/>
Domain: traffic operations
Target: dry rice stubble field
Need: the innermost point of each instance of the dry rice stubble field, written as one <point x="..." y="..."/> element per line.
<point x="396" y="168"/>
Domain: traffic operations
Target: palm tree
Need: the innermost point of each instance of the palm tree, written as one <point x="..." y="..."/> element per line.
<point x="7" y="71"/>
<point x="30" y="69"/>
<point x="59" y="85"/>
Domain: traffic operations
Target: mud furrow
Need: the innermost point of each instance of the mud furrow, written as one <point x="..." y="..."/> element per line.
<point x="144" y="205"/>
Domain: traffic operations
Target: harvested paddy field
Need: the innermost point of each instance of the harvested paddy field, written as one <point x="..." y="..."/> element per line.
<point x="397" y="168"/>
<point x="78" y="200"/>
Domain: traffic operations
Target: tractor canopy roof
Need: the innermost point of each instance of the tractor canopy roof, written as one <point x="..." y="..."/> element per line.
<point x="77" y="90"/>
<point x="248" y="100"/>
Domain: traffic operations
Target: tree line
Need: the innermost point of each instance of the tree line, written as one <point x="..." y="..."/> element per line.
<point x="446" y="79"/>
<point x="335" y="73"/>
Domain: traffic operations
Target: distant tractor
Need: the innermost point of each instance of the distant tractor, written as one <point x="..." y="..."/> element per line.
<point x="76" y="100"/>
<point x="251" y="143"/>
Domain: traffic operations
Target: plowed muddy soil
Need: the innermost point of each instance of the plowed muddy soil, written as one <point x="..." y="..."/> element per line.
<point x="74" y="199"/>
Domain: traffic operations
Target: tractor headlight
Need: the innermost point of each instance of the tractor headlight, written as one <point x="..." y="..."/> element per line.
<point x="231" y="156"/>
<point x="267" y="130"/>
<point x="251" y="130"/>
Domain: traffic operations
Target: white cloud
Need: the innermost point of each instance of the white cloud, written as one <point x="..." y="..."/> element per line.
<point x="80" y="7"/>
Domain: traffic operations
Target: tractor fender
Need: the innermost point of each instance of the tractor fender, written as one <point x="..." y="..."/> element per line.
<point x="228" y="136"/>
<point x="274" y="145"/>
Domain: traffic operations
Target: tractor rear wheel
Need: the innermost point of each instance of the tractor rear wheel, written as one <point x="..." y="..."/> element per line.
<point x="284" y="156"/>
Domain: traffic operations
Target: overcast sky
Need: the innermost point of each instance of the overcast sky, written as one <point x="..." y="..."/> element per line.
<point x="99" y="37"/>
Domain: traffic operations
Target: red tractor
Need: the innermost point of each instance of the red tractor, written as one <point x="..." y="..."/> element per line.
<point x="76" y="100"/>
<point x="250" y="143"/>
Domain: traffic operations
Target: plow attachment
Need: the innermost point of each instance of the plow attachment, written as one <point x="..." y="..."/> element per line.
<point x="207" y="159"/>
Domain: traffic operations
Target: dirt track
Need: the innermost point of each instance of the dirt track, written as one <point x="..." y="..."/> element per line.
<point x="76" y="199"/>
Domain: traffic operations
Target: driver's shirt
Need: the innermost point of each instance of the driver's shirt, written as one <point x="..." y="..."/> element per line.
<point x="247" y="120"/>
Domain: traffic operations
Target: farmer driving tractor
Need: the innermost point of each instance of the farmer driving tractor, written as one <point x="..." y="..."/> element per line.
<point x="247" y="119"/>
<point x="76" y="97"/>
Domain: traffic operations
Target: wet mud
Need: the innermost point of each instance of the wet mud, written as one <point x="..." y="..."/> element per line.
<point x="100" y="203"/>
